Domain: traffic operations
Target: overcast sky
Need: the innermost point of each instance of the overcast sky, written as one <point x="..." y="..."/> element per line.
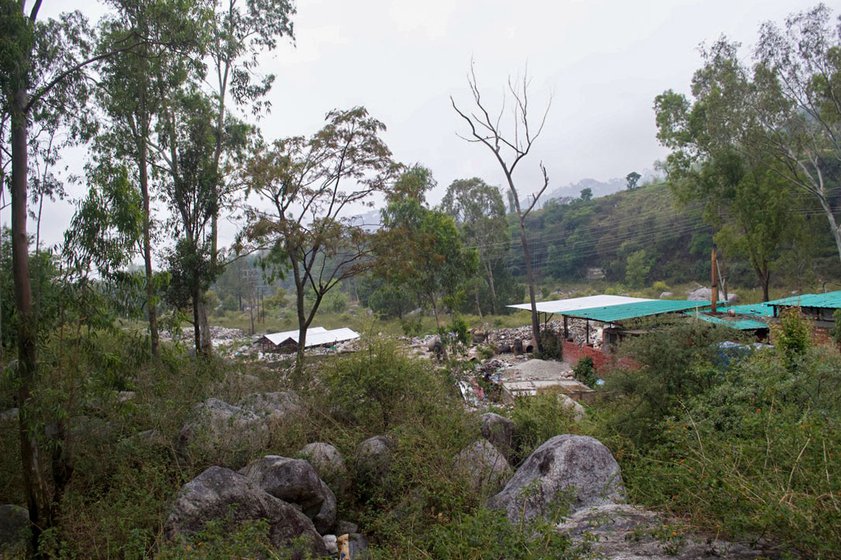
<point x="601" y="61"/>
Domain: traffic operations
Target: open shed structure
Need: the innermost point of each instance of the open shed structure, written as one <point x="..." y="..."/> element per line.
<point x="287" y="341"/>
<point x="818" y="307"/>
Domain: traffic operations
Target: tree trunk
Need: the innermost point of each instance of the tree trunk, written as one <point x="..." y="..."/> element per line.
<point x="34" y="482"/>
<point x="196" y="296"/>
<point x="206" y="341"/>
<point x="151" y="308"/>
<point x="492" y="286"/>
<point x="535" y="320"/>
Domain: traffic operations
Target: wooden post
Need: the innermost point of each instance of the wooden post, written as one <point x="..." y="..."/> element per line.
<point x="714" y="280"/>
<point x="566" y="328"/>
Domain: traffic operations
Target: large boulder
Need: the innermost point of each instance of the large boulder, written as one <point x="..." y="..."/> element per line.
<point x="373" y="459"/>
<point x="483" y="467"/>
<point x="295" y="481"/>
<point x="224" y="495"/>
<point x="498" y="430"/>
<point x="567" y="470"/>
<point x="14" y="530"/>
<point x="215" y="425"/>
<point x="329" y="464"/>
<point x="625" y="532"/>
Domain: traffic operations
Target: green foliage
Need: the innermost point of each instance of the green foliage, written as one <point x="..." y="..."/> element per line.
<point x="585" y="372"/>
<point x="675" y="363"/>
<point x="792" y="335"/>
<point x="488" y="534"/>
<point x="551" y="346"/>
<point x="637" y="268"/>
<point x="753" y="455"/>
<point x="539" y="418"/>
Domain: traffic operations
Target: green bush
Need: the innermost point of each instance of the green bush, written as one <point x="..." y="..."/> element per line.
<point x="792" y="335"/>
<point x="539" y="418"/>
<point x="585" y="372"/>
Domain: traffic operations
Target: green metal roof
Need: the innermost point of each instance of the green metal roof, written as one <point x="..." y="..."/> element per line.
<point x="755" y="309"/>
<point x="739" y="323"/>
<point x="829" y="300"/>
<point x="625" y="311"/>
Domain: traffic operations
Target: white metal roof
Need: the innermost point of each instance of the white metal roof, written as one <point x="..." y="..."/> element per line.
<point x="330" y="337"/>
<point x="278" y="337"/>
<point x="575" y="304"/>
<point x="316" y="336"/>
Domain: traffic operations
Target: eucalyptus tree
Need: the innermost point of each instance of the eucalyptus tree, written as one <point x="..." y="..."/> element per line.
<point x="132" y="90"/>
<point x="479" y="211"/>
<point x="308" y="186"/>
<point x="509" y="144"/>
<point x="720" y="156"/>
<point x="236" y="33"/>
<point x="41" y="69"/>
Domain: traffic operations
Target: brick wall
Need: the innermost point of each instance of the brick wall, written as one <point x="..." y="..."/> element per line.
<point x="602" y="362"/>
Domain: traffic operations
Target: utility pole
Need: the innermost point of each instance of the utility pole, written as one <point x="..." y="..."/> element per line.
<point x="714" y="280"/>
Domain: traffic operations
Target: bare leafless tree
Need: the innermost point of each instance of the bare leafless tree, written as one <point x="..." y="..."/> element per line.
<point x="510" y="135"/>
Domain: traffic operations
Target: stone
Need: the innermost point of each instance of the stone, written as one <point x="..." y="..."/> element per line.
<point x="329" y="464"/>
<point x="10" y="415"/>
<point x="222" y="494"/>
<point x="578" y="471"/>
<point x="624" y="532"/>
<point x="373" y="459"/>
<point x="331" y="545"/>
<point x="274" y="406"/>
<point x="484" y="468"/>
<point x="14" y="530"/>
<point x="499" y="430"/>
<point x="295" y="481"/>
<point x="343" y="527"/>
<point x="666" y="295"/>
<point x="215" y="424"/>
<point x="572" y="406"/>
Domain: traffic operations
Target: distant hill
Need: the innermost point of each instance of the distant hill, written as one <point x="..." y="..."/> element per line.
<point x="599" y="188"/>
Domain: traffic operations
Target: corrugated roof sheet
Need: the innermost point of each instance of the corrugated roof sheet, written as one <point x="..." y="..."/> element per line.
<point x="330" y="337"/>
<point x="647" y="308"/>
<point x="563" y="306"/>
<point x="829" y="300"/>
<point x="739" y="323"/>
<point x="278" y="337"/>
<point x="756" y="309"/>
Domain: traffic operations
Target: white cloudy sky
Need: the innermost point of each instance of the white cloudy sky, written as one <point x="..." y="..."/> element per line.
<point x="603" y="61"/>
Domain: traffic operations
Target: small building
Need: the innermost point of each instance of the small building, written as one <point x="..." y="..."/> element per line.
<point x="820" y="308"/>
<point x="287" y="342"/>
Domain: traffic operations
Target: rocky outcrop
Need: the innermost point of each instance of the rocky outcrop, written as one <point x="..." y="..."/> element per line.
<point x="624" y="532"/>
<point x="329" y="464"/>
<point x="483" y="467"/>
<point x="499" y="430"/>
<point x="224" y="495"/>
<point x="295" y="481"/>
<point x="566" y="472"/>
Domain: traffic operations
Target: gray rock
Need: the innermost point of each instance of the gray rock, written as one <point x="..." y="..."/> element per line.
<point x="296" y="482"/>
<point x="10" y="415"/>
<point x="373" y="459"/>
<point x="14" y="530"/>
<point x="331" y="545"/>
<point x="566" y="469"/>
<point x="329" y="464"/>
<point x="484" y="468"/>
<point x="344" y="527"/>
<point x="215" y="425"/>
<point x="498" y="430"/>
<point x="624" y="532"/>
<point x="222" y="494"/>
<point x="572" y="406"/>
<point x="700" y="294"/>
<point x="666" y="295"/>
<point x="274" y="406"/>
